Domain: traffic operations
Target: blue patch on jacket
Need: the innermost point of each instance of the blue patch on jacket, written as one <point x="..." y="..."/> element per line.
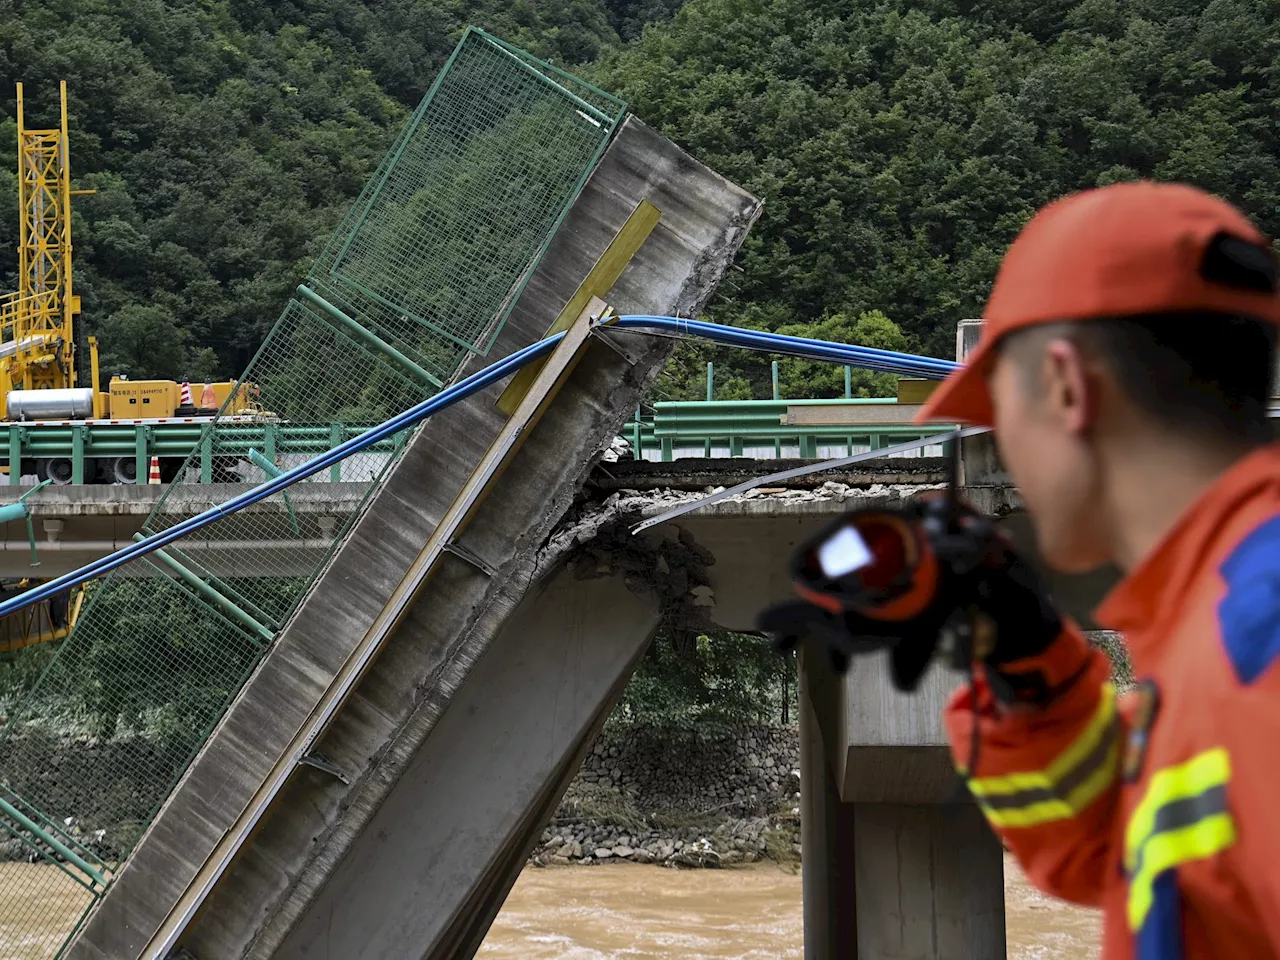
<point x="1161" y="935"/>
<point x="1249" y="615"/>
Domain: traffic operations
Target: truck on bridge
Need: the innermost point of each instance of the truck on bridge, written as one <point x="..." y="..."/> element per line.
<point x="38" y="376"/>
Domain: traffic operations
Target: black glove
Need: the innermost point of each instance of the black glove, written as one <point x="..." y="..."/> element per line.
<point x="989" y="606"/>
<point x="1011" y="594"/>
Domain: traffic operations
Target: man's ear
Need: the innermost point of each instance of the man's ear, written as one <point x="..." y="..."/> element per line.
<point x="1070" y="390"/>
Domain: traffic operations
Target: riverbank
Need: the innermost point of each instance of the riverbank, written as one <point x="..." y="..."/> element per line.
<point x="680" y="798"/>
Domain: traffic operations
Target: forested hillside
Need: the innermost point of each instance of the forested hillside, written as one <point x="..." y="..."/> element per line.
<point x="898" y="145"/>
<point x="225" y="137"/>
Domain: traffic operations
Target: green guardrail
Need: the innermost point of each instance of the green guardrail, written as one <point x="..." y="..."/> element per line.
<point x="734" y="425"/>
<point x="666" y="427"/>
<point x="81" y="448"/>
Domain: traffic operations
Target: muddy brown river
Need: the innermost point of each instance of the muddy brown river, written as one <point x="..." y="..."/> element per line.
<point x="632" y="911"/>
<point x="593" y="913"/>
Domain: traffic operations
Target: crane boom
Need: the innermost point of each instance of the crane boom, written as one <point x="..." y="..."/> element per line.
<point x="37" y="340"/>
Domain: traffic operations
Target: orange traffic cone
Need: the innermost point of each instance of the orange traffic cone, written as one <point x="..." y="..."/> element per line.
<point x="153" y="475"/>
<point x="184" y="399"/>
<point x="208" y="400"/>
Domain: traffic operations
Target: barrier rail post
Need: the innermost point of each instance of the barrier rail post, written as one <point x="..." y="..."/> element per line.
<point x="15" y="454"/>
<point x="336" y="431"/>
<point x="711" y="395"/>
<point x="206" y="454"/>
<point x="77" y="454"/>
<point x="141" y="462"/>
<point x="777" y="395"/>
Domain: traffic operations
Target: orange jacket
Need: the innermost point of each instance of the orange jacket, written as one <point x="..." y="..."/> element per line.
<point x="1162" y="807"/>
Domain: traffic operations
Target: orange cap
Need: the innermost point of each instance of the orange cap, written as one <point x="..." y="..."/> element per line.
<point x="1125" y="250"/>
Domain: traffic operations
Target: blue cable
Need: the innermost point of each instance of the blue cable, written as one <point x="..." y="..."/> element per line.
<point x="872" y="358"/>
<point x="450" y="395"/>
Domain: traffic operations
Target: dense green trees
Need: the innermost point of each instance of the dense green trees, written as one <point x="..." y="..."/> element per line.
<point x="900" y="145"/>
<point x="225" y="139"/>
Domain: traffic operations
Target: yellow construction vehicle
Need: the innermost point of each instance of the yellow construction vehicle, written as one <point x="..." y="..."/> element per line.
<point x="38" y="376"/>
<point x="43" y="622"/>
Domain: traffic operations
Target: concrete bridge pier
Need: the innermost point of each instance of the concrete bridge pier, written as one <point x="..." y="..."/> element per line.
<point x="898" y="865"/>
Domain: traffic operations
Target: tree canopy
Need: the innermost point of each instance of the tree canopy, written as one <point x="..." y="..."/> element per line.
<point x="898" y="146"/>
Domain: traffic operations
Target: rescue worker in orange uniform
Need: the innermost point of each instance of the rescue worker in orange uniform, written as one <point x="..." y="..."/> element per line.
<point x="1125" y="364"/>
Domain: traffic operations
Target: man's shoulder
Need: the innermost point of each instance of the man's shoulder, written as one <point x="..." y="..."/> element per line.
<point x="1248" y="612"/>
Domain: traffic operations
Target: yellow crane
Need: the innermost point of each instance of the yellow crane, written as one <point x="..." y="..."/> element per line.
<point x="38" y="357"/>
<point x="37" y="341"/>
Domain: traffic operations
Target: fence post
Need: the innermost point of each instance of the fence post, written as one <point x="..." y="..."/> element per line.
<point x="77" y="454"/>
<point x="15" y="455"/>
<point x="638" y="449"/>
<point x="848" y="382"/>
<point x="711" y="395"/>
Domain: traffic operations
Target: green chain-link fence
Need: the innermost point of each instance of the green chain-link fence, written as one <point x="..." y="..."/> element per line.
<point x="421" y="274"/>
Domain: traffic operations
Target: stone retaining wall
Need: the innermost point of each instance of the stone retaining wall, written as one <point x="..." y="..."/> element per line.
<point x="682" y="799"/>
<point x="665" y="770"/>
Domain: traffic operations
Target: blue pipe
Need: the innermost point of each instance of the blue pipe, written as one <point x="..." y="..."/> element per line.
<point x="450" y="395"/>
<point x="868" y="357"/>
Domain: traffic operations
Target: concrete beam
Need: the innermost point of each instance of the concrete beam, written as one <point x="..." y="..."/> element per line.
<point x="77" y="525"/>
<point x="414" y="887"/>
<point x="223" y="558"/>
<point x="183" y="500"/>
<point x="752" y="540"/>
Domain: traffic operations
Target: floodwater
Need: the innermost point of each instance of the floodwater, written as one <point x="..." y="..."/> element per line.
<point x="39" y="903"/>
<point x="604" y="912"/>
<point x="633" y="911"/>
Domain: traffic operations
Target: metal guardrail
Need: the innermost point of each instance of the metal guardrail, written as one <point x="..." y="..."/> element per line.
<point x="84" y="442"/>
<point x="732" y="428"/>
<point x="756" y="428"/>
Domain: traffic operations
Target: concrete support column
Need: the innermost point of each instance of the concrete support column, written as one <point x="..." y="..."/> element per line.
<point x="891" y="870"/>
<point x="826" y="823"/>
<point x="898" y="865"/>
<point x="930" y="882"/>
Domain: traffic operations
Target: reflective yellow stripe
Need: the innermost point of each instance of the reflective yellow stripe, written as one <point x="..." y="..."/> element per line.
<point x="1183" y="816"/>
<point x="1064" y="808"/>
<point x="1066" y="761"/>
<point x="1209" y="769"/>
<point x="1202" y="839"/>
<point x="1075" y="778"/>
